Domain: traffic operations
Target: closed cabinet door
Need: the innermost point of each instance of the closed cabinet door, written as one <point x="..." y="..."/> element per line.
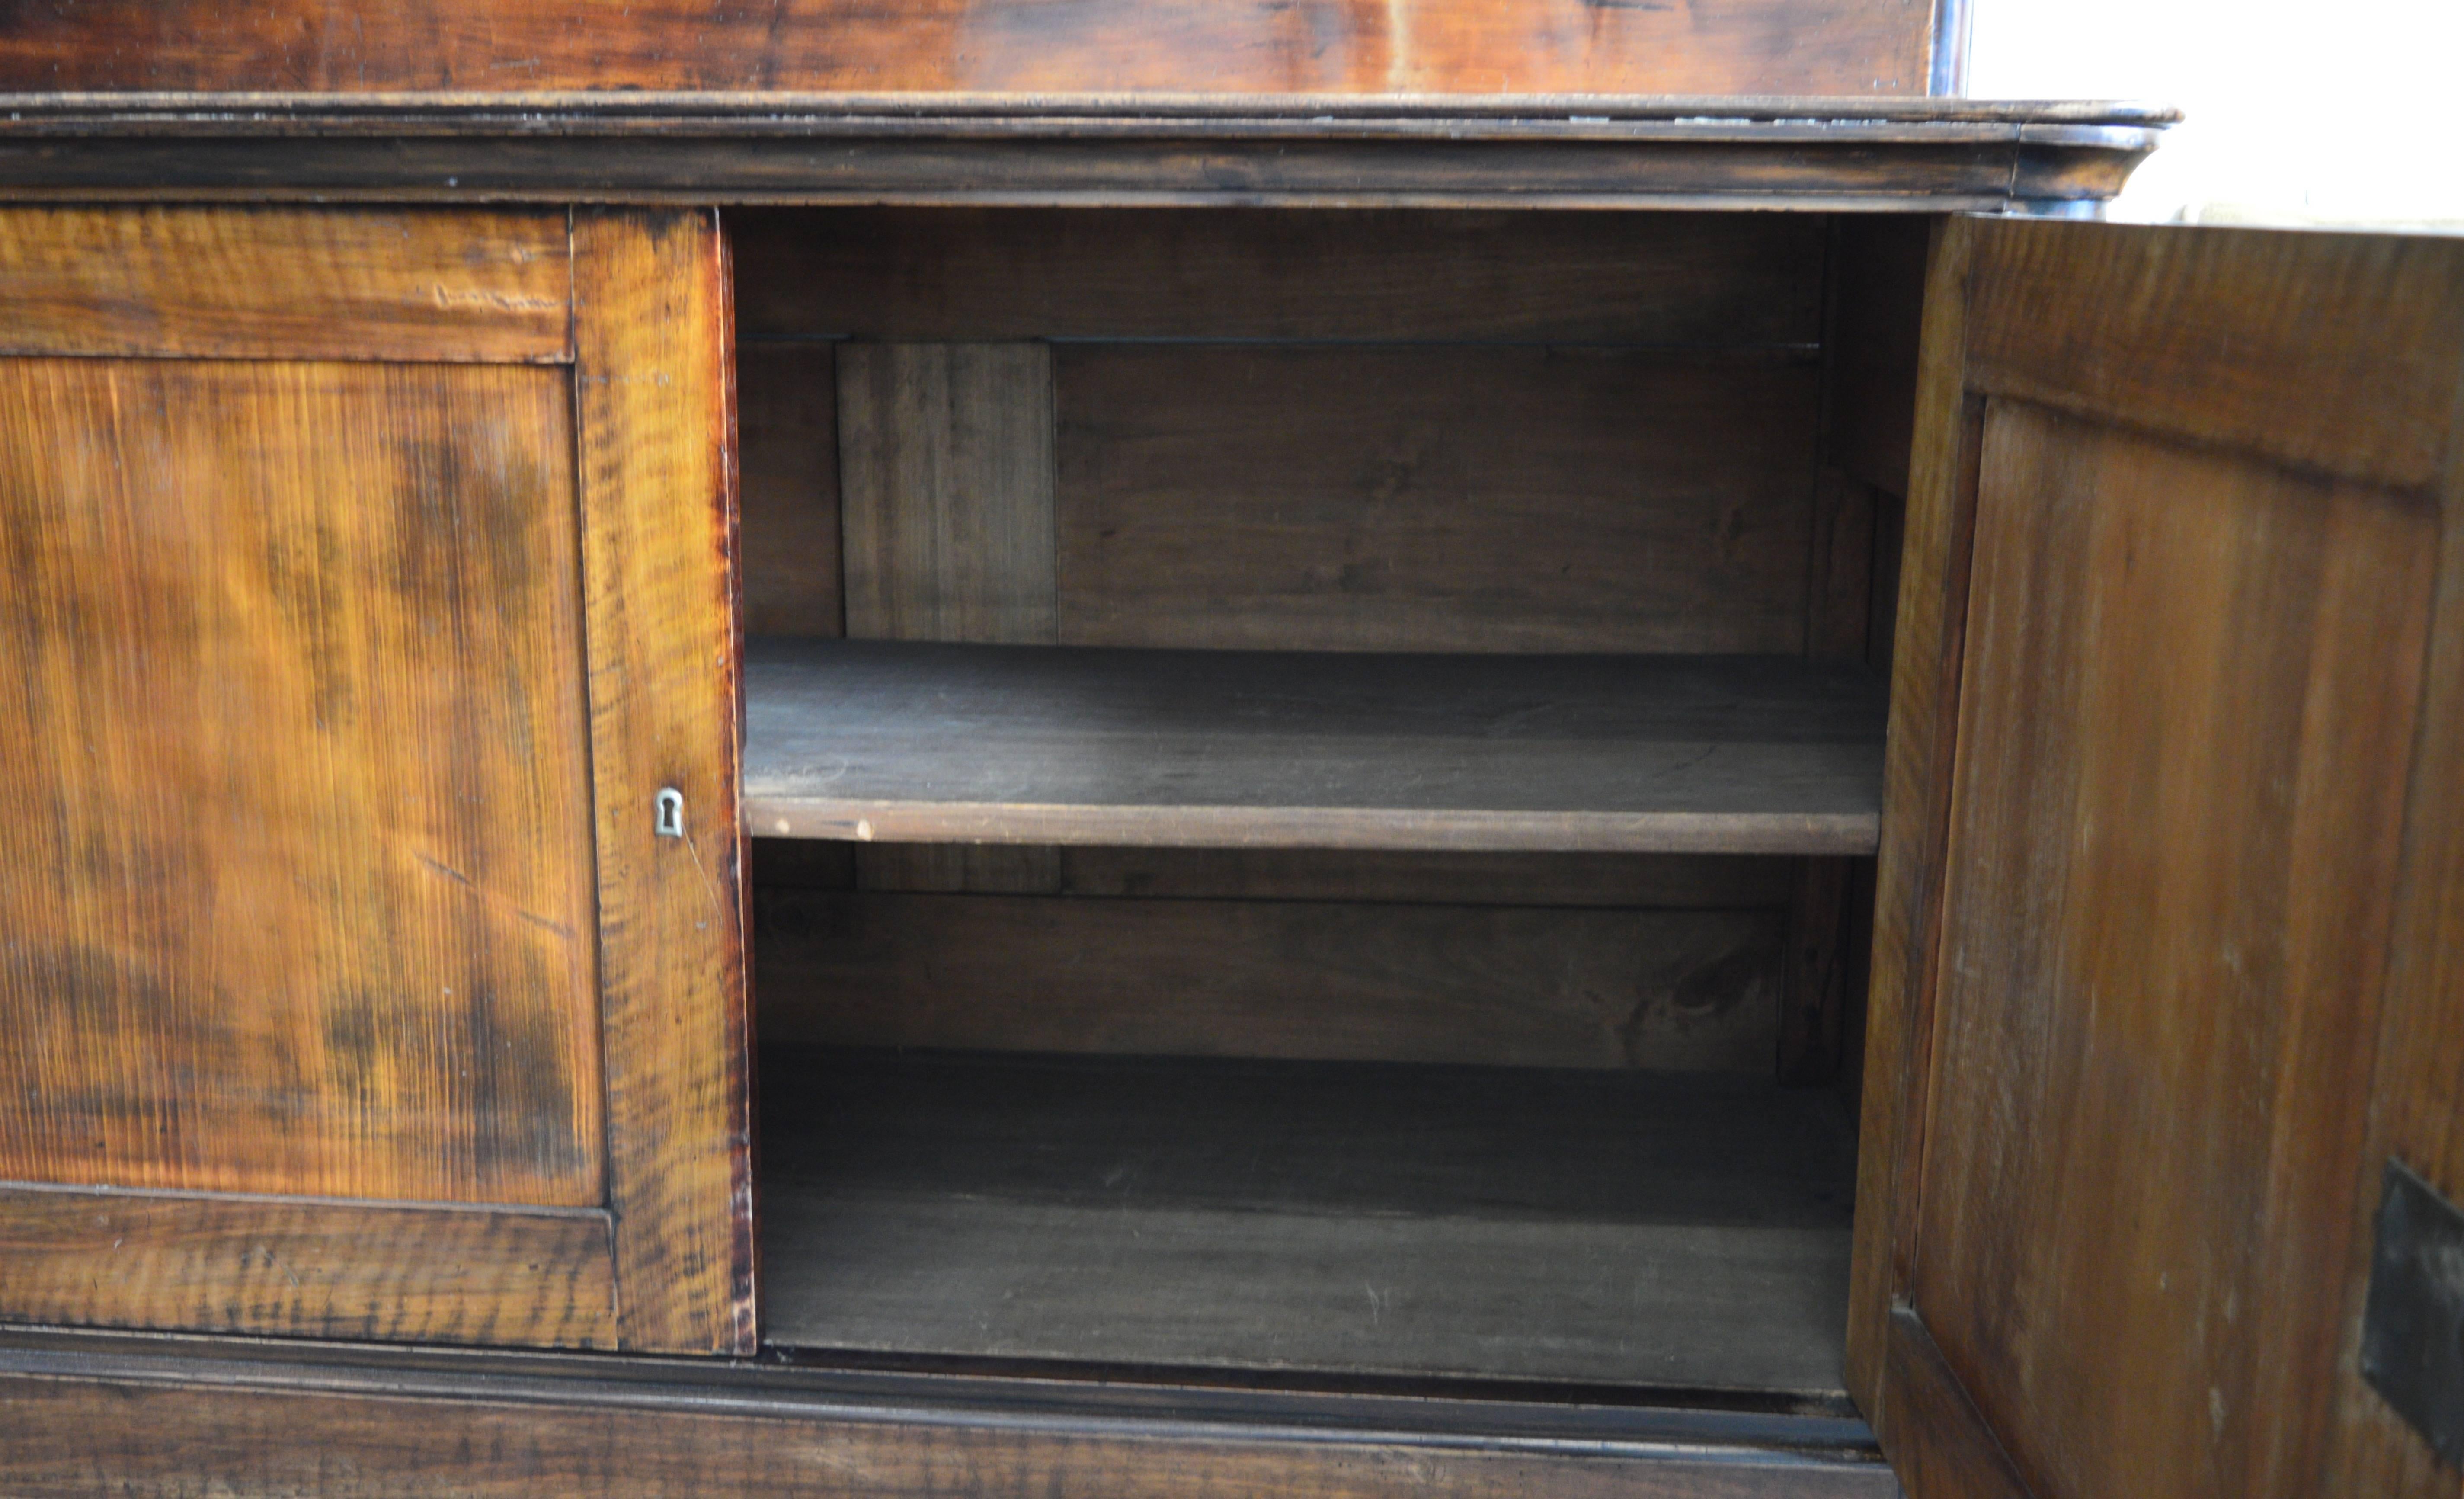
<point x="2169" y="977"/>
<point x="365" y="597"/>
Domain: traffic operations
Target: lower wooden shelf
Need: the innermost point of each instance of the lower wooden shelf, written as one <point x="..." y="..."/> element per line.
<point x="1666" y="1230"/>
<point x="935" y="743"/>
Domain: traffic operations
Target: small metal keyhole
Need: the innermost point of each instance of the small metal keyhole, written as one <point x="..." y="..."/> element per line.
<point x="671" y="821"/>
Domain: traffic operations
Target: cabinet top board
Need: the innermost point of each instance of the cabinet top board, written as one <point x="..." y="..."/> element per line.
<point x="1250" y="147"/>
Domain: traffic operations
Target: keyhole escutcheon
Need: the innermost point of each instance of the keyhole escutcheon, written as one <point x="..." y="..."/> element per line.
<point x="670" y="822"/>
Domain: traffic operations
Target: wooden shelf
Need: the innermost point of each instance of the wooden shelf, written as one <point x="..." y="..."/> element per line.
<point x="895" y="741"/>
<point x="1672" y="1230"/>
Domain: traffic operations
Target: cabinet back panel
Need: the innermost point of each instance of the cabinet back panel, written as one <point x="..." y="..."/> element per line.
<point x="928" y="274"/>
<point x="1359" y="981"/>
<point x="1432" y="499"/>
<point x="297" y="875"/>
<point x="1375" y="430"/>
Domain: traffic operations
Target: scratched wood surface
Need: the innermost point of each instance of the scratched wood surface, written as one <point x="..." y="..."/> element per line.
<point x="2414" y="1085"/>
<point x="2173" y="921"/>
<point x="491" y="288"/>
<point x="658" y="524"/>
<point x="1842" y="47"/>
<point x="302" y="1268"/>
<point x="297" y="867"/>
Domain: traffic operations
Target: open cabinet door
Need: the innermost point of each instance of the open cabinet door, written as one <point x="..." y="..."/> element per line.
<point x="2169" y="958"/>
<point x="365" y="583"/>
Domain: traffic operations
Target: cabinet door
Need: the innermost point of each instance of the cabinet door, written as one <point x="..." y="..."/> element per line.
<point x="365" y="584"/>
<point x="2171" y="948"/>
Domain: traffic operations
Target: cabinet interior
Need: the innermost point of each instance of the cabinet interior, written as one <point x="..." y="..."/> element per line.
<point x="1312" y="778"/>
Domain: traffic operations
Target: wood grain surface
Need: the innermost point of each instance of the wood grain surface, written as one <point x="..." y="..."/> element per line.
<point x="2331" y="352"/>
<point x="1943" y="1446"/>
<point x="1317" y="151"/>
<point x="363" y="1271"/>
<point x="787" y="453"/>
<point x="1330" y="979"/>
<point x="167" y="1420"/>
<point x="658" y="528"/>
<point x="896" y="741"/>
<point x="923" y="275"/>
<point x="2416" y="1085"/>
<point x="1845" y="47"/>
<point x="1432" y="499"/>
<point x="945" y="462"/>
<point x="2187" y="878"/>
<point x="298" y="864"/>
<point x="2181" y="671"/>
<point x="492" y="288"/>
<point x="1338" y="1217"/>
<point x="1928" y="637"/>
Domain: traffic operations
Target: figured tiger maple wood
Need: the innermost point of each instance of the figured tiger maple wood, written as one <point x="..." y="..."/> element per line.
<point x="658" y="523"/>
<point x="217" y="1262"/>
<point x="492" y="288"/>
<point x="1847" y="47"/>
<point x="296" y="865"/>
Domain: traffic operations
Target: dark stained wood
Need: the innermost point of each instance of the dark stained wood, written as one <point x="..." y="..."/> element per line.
<point x="1361" y="1219"/>
<point x="248" y="1264"/>
<point x="2419" y="1073"/>
<point x="946" y="456"/>
<point x="296" y="873"/>
<point x="2186" y="858"/>
<point x="1933" y="561"/>
<point x="945" y="461"/>
<point x="788" y="456"/>
<point x="1340" y="1137"/>
<point x="1534" y="987"/>
<point x="895" y="741"/>
<point x="1939" y="1445"/>
<point x="1815" y="980"/>
<point x="1838" y="607"/>
<point x="168" y="281"/>
<point x="2183" y="670"/>
<point x="986" y="867"/>
<point x="1878" y="279"/>
<point x="910" y="274"/>
<point x="1345" y="47"/>
<point x="1692" y="882"/>
<point x="1490" y="500"/>
<point x="164" y="1420"/>
<point x="1797" y="154"/>
<point x="2216" y="339"/>
<point x="658" y="526"/>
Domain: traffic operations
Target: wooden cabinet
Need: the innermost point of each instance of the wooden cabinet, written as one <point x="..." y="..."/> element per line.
<point x="1382" y="838"/>
<point x="368" y="584"/>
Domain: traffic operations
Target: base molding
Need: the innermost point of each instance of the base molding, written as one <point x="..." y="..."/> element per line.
<point x="147" y="1414"/>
